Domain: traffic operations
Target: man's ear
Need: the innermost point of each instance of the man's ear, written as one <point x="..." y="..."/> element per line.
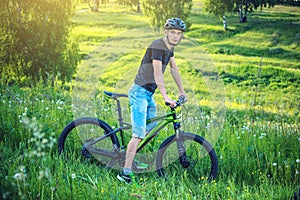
<point x="165" y="31"/>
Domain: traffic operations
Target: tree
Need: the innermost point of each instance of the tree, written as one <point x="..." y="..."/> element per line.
<point x="131" y="3"/>
<point x="220" y="7"/>
<point x="35" y="41"/>
<point x="94" y="5"/>
<point x="160" y="10"/>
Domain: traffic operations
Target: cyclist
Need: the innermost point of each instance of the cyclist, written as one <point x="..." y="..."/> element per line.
<point x="149" y="77"/>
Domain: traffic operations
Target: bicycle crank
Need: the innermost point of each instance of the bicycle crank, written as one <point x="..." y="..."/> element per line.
<point x="85" y="152"/>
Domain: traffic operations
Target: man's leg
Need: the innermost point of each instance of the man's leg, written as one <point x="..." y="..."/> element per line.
<point x="131" y="151"/>
<point x="138" y="104"/>
<point x="127" y="176"/>
<point x="151" y="113"/>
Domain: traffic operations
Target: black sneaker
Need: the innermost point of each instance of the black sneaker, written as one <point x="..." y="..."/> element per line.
<point x="126" y="178"/>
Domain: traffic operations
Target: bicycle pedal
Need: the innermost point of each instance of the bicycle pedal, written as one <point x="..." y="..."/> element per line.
<point x="140" y="166"/>
<point x="85" y="153"/>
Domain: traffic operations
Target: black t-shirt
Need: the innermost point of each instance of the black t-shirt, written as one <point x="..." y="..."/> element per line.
<point x="156" y="51"/>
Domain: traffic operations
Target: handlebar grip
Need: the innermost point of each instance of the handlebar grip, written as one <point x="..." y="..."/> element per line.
<point x="181" y="100"/>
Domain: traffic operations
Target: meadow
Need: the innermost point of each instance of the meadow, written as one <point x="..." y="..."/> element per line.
<point x="248" y="77"/>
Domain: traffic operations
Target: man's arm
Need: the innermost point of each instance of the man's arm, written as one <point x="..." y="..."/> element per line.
<point x="159" y="80"/>
<point x="176" y="76"/>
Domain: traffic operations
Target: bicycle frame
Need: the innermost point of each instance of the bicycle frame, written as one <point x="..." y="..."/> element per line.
<point x="116" y="154"/>
<point x="165" y="119"/>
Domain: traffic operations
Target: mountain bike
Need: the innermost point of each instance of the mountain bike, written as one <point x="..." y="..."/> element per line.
<point x="180" y="152"/>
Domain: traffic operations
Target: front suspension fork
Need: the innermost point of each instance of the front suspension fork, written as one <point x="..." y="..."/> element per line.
<point x="183" y="158"/>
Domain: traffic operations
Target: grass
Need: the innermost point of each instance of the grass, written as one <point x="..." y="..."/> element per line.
<point x="257" y="65"/>
<point x="258" y="159"/>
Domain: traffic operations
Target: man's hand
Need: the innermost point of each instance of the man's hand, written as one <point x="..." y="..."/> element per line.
<point x="170" y="102"/>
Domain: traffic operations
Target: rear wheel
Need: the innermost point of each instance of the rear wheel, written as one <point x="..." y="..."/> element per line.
<point x="189" y="154"/>
<point x="85" y="130"/>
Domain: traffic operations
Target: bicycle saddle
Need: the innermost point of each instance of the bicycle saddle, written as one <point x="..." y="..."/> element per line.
<point x="115" y="95"/>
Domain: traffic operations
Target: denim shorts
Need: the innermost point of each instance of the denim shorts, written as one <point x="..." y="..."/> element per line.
<point x="142" y="107"/>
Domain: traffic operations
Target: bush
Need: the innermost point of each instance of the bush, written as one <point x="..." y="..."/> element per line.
<point x="35" y="41"/>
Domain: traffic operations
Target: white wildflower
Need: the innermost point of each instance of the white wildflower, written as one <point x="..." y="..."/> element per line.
<point x="18" y="176"/>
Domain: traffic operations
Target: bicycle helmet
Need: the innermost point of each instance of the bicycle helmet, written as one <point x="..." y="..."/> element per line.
<point x="175" y="23"/>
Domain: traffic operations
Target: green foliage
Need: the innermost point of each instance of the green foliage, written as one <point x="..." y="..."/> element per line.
<point x="218" y="7"/>
<point x="35" y="41"/>
<point x="131" y="3"/>
<point x="159" y="11"/>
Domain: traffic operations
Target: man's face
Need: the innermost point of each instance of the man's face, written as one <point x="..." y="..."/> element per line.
<point x="174" y="36"/>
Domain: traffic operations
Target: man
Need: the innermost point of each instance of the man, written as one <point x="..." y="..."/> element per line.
<point x="150" y="76"/>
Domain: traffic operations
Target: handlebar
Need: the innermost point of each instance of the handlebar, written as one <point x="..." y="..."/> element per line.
<point x="181" y="100"/>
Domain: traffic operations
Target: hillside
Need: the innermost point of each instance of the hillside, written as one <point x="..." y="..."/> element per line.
<point x="258" y="61"/>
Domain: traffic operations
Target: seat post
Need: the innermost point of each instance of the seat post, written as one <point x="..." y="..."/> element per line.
<point x="120" y="122"/>
<point x="120" y="117"/>
<point x="115" y="96"/>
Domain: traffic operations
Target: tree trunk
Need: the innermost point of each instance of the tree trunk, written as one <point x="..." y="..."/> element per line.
<point x="241" y="14"/>
<point x="224" y="23"/>
<point x="94" y="5"/>
<point x="138" y="7"/>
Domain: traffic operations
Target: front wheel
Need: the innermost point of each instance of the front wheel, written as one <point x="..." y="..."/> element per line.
<point x="188" y="154"/>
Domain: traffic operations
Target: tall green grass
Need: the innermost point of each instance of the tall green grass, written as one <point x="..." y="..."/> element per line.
<point x="258" y="158"/>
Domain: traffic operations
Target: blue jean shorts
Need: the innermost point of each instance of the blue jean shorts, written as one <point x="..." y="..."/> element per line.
<point x="142" y="107"/>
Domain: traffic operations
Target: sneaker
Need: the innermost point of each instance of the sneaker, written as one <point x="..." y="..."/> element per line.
<point x="126" y="178"/>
